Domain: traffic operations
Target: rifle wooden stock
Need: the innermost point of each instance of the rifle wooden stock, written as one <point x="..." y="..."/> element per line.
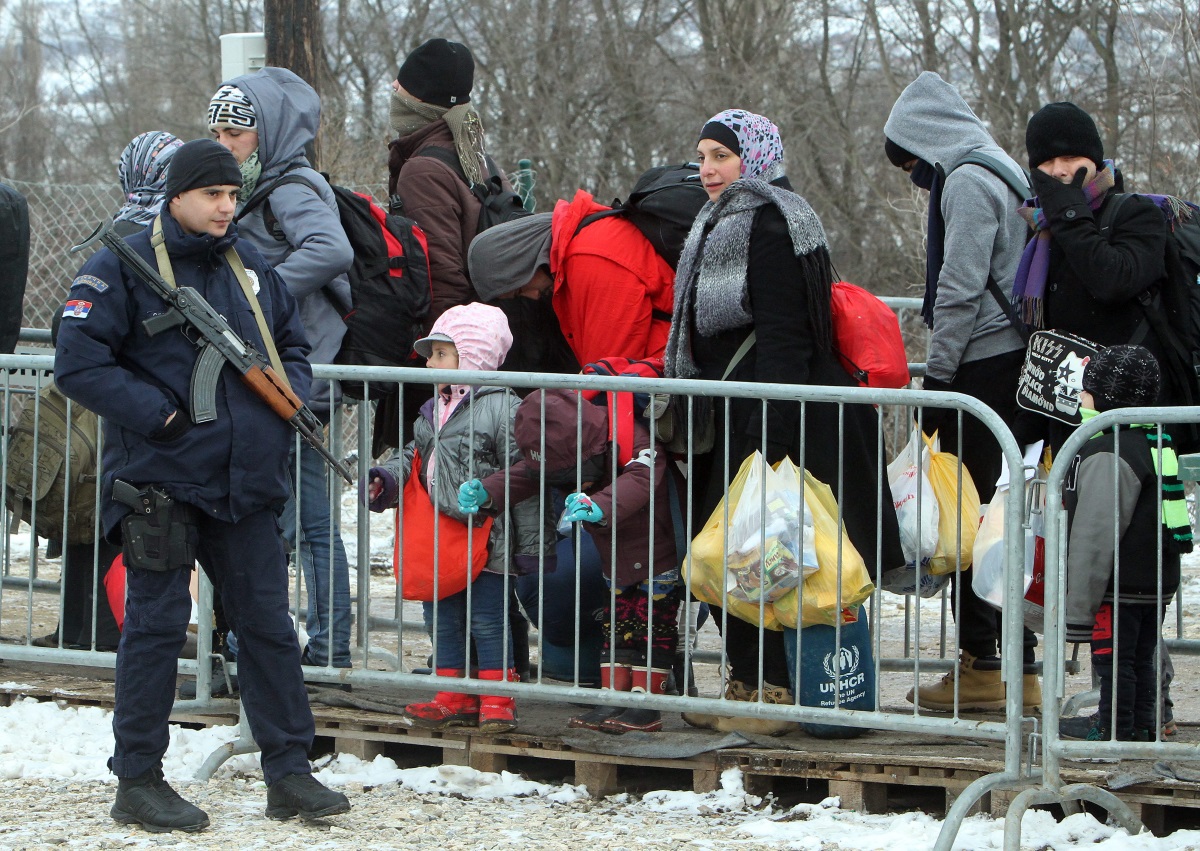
<point x="267" y="386"/>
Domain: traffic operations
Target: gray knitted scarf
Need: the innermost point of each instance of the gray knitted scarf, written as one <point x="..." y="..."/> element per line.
<point x="409" y="115"/>
<point x="710" y="283"/>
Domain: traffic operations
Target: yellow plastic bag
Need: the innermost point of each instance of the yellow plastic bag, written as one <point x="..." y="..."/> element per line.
<point x="704" y="567"/>
<point x="943" y="475"/>
<point x="819" y="604"/>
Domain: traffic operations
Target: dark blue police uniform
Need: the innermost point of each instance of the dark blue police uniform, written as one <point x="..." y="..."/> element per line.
<point x="232" y="470"/>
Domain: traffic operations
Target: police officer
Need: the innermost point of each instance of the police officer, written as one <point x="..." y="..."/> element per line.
<point x="212" y="490"/>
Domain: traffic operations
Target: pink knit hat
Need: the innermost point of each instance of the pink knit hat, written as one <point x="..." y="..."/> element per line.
<point x="479" y="331"/>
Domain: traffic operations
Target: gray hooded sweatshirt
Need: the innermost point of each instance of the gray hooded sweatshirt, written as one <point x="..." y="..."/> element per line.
<point x="314" y="255"/>
<point x="984" y="233"/>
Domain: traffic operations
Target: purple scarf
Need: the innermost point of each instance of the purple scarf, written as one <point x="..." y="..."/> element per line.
<point x="1029" y="286"/>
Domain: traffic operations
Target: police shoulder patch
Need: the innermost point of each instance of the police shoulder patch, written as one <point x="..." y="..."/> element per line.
<point x="77" y="309"/>
<point x="90" y="281"/>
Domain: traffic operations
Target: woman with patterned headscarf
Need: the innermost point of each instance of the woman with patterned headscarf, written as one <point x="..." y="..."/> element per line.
<point x="142" y="171"/>
<point x="755" y="280"/>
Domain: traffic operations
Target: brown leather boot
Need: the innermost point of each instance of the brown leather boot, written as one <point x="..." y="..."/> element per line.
<point x="979" y="687"/>
<point x="781" y="695"/>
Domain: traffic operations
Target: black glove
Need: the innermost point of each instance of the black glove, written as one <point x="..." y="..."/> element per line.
<point x="1061" y="202"/>
<point x="179" y="425"/>
<point x="935" y="418"/>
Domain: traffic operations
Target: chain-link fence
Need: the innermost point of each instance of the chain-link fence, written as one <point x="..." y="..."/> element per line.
<point x="62" y="215"/>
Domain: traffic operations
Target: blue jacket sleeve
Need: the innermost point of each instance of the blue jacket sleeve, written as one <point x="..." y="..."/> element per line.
<point x="86" y="367"/>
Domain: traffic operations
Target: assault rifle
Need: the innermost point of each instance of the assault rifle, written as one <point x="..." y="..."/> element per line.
<point x="218" y="344"/>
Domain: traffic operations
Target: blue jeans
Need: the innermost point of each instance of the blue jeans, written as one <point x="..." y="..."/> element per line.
<point x="322" y="558"/>
<point x="489" y="628"/>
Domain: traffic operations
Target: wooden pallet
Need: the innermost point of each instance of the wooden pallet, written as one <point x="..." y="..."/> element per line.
<point x="879" y="772"/>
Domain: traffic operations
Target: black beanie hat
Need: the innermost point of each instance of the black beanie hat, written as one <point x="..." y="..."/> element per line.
<point x="1122" y="377"/>
<point x="439" y="72"/>
<point x="201" y="162"/>
<point x="1062" y="130"/>
<point x="896" y="155"/>
<point x="722" y="134"/>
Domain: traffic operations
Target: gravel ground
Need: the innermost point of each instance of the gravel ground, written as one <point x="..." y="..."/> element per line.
<point x="42" y="814"/>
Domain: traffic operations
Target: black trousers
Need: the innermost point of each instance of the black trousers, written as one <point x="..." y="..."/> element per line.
<point x="1132" y="681"/>
<point x="992" y="381"/>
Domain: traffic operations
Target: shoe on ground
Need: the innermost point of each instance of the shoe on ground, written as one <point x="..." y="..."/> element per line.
<point x="979" y="687"/>
<point x="50" y="640"/>
<point x="633" y="720"/>
<point x="305" y="796"/>
<point x="595" y="717"/>
<point x="447" y="709"/>
<point x="779" y="695"/>
<point x="218" y="686"/>
<point x="1076" y="727"/>
<point x="497" y="714"/>
<point x="150" y="801"/>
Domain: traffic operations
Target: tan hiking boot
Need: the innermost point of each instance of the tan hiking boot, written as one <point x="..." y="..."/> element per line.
<point x="759" y="726"/>
<point x="705" y="721"/>
<point x="1031" y="694"/>
<point x="979" y="687"/>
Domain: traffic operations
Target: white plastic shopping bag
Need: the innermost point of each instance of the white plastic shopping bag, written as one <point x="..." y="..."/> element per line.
<point x="987" y="578"/>
<point x="770" y="553"/>
<point x="908" y="476"/>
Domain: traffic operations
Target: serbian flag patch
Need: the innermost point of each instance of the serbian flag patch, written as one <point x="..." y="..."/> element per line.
<point x="77" y="308"/>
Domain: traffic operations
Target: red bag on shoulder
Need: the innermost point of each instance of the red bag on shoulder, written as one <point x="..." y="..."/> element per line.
<point x="453" y="555"/>
<point x="866" y="338"/>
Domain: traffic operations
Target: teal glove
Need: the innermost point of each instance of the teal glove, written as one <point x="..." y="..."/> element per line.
<point x="472" y="496"/>
<point x="581" y="507"/>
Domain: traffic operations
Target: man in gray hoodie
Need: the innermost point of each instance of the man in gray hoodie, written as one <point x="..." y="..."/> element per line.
<point x="288" y="211"/>
<point x="974" y="244"/>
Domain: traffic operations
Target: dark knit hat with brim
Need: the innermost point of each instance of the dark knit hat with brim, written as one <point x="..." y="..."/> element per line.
<point x="199" y="163"/>
<point x="439" y="72"/>
<point x="1122" y="377"/>
<point x="1062" y="130"/>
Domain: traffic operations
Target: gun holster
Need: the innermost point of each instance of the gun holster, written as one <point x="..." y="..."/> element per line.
<point x="161" y="533"/>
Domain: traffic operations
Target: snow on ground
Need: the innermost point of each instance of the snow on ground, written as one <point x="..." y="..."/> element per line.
<point x="57" y="792"/>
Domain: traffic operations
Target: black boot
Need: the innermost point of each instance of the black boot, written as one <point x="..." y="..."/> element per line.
<point x="305" y="796"/>
<point x="150" y="801"/>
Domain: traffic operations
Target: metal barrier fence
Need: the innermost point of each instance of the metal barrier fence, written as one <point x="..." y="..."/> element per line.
<point x="391" y="636"/>
<point x="1052" y="789"/>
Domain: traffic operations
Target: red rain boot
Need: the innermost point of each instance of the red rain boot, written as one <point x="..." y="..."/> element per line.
<point x="637" y="719"/>
<point x="447" y="709"/>
<point x="616" y="678"/>
<point x="497" y="714"/>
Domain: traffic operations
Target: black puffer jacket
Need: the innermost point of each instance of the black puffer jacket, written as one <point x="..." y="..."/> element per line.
<point x="1095" y="277"/>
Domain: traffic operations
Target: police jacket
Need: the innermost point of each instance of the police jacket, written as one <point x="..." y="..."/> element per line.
<point x="105" y="360"/>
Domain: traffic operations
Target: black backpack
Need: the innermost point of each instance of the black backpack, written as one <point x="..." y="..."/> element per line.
<point x="663" y="204"/>
<point x="1173" y="313"/>
<point x="497" y="204"/>
<point x="14" y="264"/>
<point x="390" y="282"/>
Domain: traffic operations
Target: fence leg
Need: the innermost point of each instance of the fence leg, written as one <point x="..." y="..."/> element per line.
<point x="963" y="805"/>
<point x="244" y="743"/>
<point x="1075" y="792"/>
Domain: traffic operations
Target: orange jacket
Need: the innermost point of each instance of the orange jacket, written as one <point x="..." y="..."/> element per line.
<point x="612" y="292"/>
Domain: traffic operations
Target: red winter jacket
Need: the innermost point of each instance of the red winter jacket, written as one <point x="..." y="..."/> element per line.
<point x="612" y="292"/>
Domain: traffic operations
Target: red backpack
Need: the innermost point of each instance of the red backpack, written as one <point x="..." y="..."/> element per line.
<point x="623" y="407"/>
<point x="867" y="339"/>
